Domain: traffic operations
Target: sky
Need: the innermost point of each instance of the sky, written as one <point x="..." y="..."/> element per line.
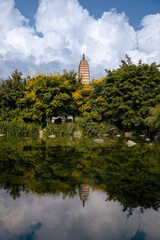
<point x="51" y="35"/>
<point x="35" y="217"/>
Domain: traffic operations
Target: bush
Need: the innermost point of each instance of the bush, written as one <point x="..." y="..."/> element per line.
<point x="70" y="127"/>
<point x="62" y="129"/>
<point x="153" y="120"/>
<point x="3" y="127"/>
<point x="52" y="128"/>
<point x="88" y="126"/>
<point x="108" y="129"/>
<point x="19" y="128"/>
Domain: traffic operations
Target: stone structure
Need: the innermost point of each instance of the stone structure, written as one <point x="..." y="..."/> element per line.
<point x="84" y="71"/>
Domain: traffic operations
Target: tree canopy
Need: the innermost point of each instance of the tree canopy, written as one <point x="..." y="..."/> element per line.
<point x="124" y="97"/>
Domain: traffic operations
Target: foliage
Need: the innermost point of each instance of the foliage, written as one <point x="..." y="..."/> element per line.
<point x="11" y="91"/>
<point x="108" y="129"/>
<point x="63" y="129"/>
<point x="124" y="98"/>
<point x="88" y="126"/>
<point x="130" y="176"/>
<point x="125" y="95"/>
<point x="153" y="119"/>
<point x="19" y="128"/>
<point x="47" y="96"/>
<point x="129" y="93"/>
<point x="70" y="127"/>
<point x="91" y="128"/>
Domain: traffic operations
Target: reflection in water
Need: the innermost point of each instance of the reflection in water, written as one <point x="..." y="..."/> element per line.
<point x="56" y="177"/>
<point x="67" y="219"/>
<point x="139" y="236"/>
<point x="84" y="193"/>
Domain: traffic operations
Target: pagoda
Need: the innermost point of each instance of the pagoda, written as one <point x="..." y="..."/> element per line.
<point x="84" y="193"/>
<point x="84" y="71"/>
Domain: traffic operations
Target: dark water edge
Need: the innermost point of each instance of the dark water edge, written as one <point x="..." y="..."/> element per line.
<point x="78" y="189"/>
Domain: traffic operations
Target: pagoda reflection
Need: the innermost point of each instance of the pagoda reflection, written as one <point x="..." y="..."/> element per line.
<point x="84" y="193"/>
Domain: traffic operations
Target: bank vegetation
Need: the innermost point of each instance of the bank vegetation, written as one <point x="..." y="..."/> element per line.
<point x="126" y="99"/>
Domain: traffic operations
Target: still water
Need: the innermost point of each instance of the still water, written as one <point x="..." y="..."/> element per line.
<point x="66" y="189"/>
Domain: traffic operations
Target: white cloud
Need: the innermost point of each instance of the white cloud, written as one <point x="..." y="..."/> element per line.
<point x="68" y="31"/>
<point x="148" y="40"/>
<point x="149" y="36"/>
<point x="67" y="219"/>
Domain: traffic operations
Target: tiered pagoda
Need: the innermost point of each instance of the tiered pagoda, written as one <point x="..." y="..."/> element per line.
<point x="84" y="71"/>
<point x="84" y="193"/>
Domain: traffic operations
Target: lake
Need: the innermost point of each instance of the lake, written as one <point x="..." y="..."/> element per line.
<point x="79" y="189"/>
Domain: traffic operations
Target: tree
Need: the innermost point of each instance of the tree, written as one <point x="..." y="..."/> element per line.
<point x="48" y="95"/>
<point x="11" y="90"/>
<point x="129" y="92"/>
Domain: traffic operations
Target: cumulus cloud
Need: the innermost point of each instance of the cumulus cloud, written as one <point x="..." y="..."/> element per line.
<point x="148" y="40"/>
<point x="64" y="30"/>
<point x="57" y="218"/>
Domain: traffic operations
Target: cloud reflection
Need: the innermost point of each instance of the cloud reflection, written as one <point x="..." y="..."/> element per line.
<point x="50" y="217"/>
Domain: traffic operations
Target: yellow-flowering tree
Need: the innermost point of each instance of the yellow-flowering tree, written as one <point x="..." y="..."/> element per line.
<point x="47" y="96"/>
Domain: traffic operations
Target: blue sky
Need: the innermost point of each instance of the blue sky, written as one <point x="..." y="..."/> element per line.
<point x="134" y="9"/>
<point x="51" y="35"/>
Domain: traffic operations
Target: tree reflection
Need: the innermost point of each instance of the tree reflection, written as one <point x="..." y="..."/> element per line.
<point x="128" y="175"/>
<point x="132" y="177"/>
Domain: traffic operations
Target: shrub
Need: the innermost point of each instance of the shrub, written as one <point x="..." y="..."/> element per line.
<point x="153" y="120"/>
<point x="70" y="127"/>
<point x="19" y="128"/>
<point x="108" y="129"/>
<point x="62" y="129"/>
<point x="52" y="128"/>
<point x="88" y="126"/>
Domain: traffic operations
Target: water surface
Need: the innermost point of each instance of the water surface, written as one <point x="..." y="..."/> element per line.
<point x="65" y="189"/>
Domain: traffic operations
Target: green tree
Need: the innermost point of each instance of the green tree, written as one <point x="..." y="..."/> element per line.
<point x="48" y="95"/>
<point x="11" y="90"/>
<point x="128" y="93"/>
